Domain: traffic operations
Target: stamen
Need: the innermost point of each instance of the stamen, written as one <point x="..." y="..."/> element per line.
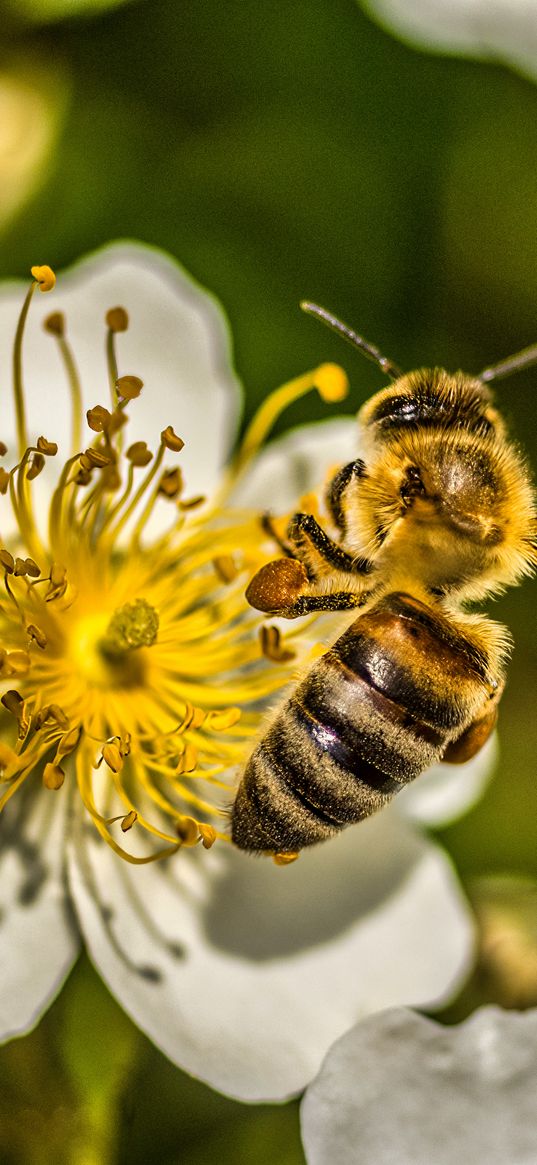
<point x="160" y="726"/>
<point x="272" y="645"/>
<point x="117" y="321"/>
<point x="329" y="379"/>
<point x="55" y="325"/>
<point x="44" y="278"/>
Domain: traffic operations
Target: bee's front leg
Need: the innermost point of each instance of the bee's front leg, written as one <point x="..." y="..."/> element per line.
<point x="337" y="488"/>
<point x="319" y="553"/>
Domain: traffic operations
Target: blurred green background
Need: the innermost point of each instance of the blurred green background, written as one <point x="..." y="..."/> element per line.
<point x="279" y="151"/>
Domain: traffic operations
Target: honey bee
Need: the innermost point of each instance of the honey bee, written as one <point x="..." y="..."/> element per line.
<point x="436" y="514"/>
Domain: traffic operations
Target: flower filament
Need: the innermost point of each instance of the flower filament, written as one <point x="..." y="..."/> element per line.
<point x="130" y="663"/>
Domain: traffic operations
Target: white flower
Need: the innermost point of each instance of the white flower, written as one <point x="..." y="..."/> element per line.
<point x="242" y="972"/>
<point x="401" y="1090"/>
<point x="496" y="30"/>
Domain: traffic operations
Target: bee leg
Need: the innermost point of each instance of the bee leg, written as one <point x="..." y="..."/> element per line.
<point x="283" y="587"/>
<point x="319" y="552"/>
<point x="472" y="740"/>
<point x="336" y="489"/>
<point x="337" y="601"/>
<point x="267" y="524"/>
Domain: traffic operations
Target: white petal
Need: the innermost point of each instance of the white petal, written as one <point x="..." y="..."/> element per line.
<point x="244" y="973"/>
<point x="297" y="463"/>
<point x="177" y="342"/>
<point x="400" y="1090"/>
<point x="445" y="792"/>
<point x="38" y="936"/>
<point x="504" y="30"/>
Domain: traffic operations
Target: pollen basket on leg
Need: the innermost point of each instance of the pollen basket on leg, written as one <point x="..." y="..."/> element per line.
<point x="131" y="665"/>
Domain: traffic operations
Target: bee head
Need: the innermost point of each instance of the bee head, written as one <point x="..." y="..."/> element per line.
<point x="429" y="400"/>
<point x="432" y="447"/>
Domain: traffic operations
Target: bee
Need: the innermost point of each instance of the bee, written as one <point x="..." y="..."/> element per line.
<point x="436" y="514"/>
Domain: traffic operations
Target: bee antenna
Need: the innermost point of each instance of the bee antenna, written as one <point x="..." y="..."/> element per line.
<point x="516" y="363"/>
<point x="367" y="349"/>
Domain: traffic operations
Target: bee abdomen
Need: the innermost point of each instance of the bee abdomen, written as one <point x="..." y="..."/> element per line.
<point x="369" y="717"/>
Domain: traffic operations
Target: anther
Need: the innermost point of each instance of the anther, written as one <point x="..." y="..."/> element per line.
<point x="52" y="712"/>
<point x="188" y="761"/>
<point x="53" y="776"/>
<point x="4" y="481"/>
<point x="207" y="834"/>
<point x="225" y="567"/>
<point x="192" y="503"/>
<point x="35" y="465"/>
<point x="49" y="448"/>
<point x="13" y="702"/>
<point x="44" y="277"/>
<point x="187" y="830"/>
<point x="94" y="459"/>
<point x="26" y="566"/>
<point x="138" y="454"/>
<point x="221" y="721"/>
<point x="3" y="449"/>
<point x="7" y="561"/>
<point x="58" y="582"/>
<point x="129" y="387"/>
<point x="272" y="646"/>
<point x="171" y="483"/>
<point x="98" y="418"/>
<point x="82" y="476"/>
<point x="37" y="635"/>
<point x="55" y="323"/>
<point x="170" y="439"/>
<point x="129" y="820"/>
<point x="331" y="382"/>
<point x="117" y="319"/>
<point x="111" y="754"/>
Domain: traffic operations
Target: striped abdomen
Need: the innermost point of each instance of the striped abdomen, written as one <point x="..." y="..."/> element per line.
<point x="373" y="713"/>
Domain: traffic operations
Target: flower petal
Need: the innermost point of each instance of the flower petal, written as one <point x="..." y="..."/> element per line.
<point x="445" y="792"/>
<point x="503" y="30"/>
<point x="177" y="342"/>
<point x="399" y="1088"/>
<point x="244" y="973"/>
<point x="38" y="934"/>
<point x="297" y="463"/>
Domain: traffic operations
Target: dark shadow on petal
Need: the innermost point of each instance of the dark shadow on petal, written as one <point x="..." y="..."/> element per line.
<point x="262" y="911"/>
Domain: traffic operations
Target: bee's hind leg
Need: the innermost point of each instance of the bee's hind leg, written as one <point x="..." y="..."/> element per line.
<point x="283" y="587"/>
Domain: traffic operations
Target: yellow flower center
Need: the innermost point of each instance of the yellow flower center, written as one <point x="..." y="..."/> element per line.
<point x="125" y="655"/>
